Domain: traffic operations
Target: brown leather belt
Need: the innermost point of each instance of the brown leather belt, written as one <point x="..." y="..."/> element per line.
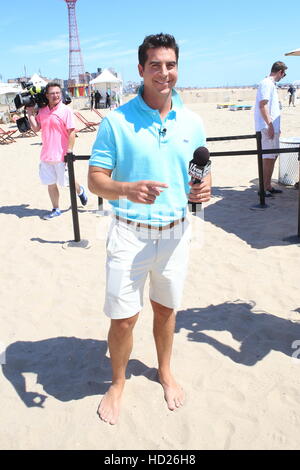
<point x="148" y="226"/>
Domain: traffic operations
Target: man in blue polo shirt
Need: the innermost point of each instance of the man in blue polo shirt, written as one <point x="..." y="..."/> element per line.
<point x="140" y="163"/>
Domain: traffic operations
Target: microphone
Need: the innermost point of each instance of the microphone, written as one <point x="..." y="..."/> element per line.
<point x="199" y="167"/>
<point x="163" y="132"/>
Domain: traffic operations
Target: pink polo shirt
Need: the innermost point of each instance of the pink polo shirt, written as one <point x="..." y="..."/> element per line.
<point x="55" y="124"/>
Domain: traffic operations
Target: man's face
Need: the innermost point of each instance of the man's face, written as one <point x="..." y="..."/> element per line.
<point x="160" y="71"/>
<point x="53" y="95"/>
<point x="281" y="74"/>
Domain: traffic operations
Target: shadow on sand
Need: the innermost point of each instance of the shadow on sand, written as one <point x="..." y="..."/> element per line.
<point x="24" y="210"/>
<point x="51" y="242"/>
<point x="259" y="333"/>
<point x="68" y="368"/>
<point x="259" y="228"/>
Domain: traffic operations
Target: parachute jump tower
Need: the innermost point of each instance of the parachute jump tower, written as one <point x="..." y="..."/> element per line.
<point x="76" y="67"/>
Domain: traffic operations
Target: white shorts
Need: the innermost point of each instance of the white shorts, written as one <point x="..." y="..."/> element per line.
<point x="268" y="143"/>
<point x="132" y="254"/>
<point x="52" y="173"/>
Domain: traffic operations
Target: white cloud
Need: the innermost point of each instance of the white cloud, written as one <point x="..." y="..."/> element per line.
<point x="100" y="45"/>
<point x="60" y="43"/>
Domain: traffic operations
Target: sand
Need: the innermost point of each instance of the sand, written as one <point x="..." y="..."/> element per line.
<point x="236" y="332"/>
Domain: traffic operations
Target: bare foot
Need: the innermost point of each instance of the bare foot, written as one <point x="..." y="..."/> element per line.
<point x="173" y="392"/>
<point x="109" y="408"/>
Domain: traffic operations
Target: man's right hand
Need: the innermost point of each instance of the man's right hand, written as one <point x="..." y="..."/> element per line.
<point x="143" y="192"/>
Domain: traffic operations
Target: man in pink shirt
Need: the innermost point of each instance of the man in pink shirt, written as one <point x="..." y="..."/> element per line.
<point x="56" y="121"/>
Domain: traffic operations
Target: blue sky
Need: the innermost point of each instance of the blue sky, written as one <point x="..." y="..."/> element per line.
<point x="221" y="43"/>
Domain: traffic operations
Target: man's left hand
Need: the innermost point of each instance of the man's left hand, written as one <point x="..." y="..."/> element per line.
<point x="200" y="192"/>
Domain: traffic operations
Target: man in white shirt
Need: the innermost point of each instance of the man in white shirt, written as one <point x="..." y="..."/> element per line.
<point x="267" y="121"/>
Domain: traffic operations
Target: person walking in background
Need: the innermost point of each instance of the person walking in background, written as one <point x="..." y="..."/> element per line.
<point x="56" y="121"/>
<point x="267" y="121"/>
<point x="92" y="99"/>
<point x="108" y="100"/>
<point x="97" y="99"/>
<point x="292" y="93"/>
<point x="140" y="163"/>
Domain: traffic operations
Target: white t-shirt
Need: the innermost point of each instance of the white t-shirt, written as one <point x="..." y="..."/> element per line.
<point x="267" y="91"/>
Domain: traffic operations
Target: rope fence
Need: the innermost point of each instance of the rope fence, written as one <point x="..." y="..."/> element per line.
<point x="259" y="151"/>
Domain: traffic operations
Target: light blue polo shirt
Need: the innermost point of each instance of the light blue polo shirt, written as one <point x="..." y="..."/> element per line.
<point x="134" y="142"/>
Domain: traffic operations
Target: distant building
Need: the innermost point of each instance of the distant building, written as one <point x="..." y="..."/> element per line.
<point x="84" y="77"/>
<point x="84" y="80"/>
<point x="25" y="79"/>
<point x="18" y="80"/>
<point x="60" y="81"/>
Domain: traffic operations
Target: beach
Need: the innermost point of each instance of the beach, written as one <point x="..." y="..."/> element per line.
<point x="237" y="340"/>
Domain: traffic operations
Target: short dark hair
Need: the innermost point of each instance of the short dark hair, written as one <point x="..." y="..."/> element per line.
<point x="157" y="40"/>
<point x="51" y="84"/>
<point x="278" y="66"/>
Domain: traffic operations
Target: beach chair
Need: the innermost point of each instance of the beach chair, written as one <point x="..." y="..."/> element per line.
<point x="89" y="126"/>
<point x="98" y="113"/>
<point x="29" y="133"/>
<point x="224" y="105"/>
<point x="6" y="136"/>
<point x="240" y="107"/>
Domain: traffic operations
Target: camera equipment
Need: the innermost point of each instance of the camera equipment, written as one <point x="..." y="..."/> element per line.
<point x="66" y="98"/>
<point x="35" y="95"/>
<point x="23" y="124"/>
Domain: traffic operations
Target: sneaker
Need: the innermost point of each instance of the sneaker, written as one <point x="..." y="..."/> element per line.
<point x="267" y="194"/>
<point x="83" y="197"/>
<point x="53" y="213"/>
<point x="275" y="191"/>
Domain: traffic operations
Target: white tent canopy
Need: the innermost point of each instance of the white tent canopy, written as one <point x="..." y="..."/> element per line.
<point x="37" y="80"/>
<point x="8" y="92"/>
<point x="105" y="77"/>
<point x="6" y="88"/>
<point x="108" y="82"/>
